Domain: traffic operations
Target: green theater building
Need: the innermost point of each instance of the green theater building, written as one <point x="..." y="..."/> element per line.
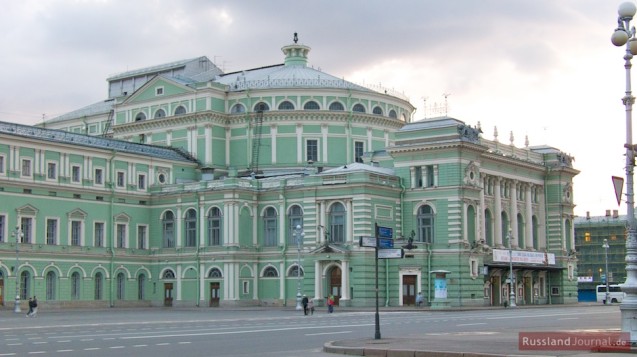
<point x="188" y="186"/>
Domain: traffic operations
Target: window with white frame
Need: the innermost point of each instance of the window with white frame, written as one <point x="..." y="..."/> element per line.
<point x="51" y="231"/>
<point x="52" y="170"/>
<point x="269" y="227"/>
<point x="98" y="292"/>
<point x="121" y="179"/>
<point x="359" y="148"/>
<point x="191" y="228"/>
<point x="141" y="182"/>
<point x="141" y="287"/>
<point x="168" y="230"/>
<point x="214" y="226"/>
<point x="2" y="164"/>
<point x="26" y="168"/>
<point x="311" y="150"/>
<point x="3" y="227"/>
<point x="121" y="235"/>
<point x="26" y="226"/>
<point x="76" y="233"/>
<point x="121" y="286"/>
<point x="141" y="237"/>
<point x="75" y="173"/>
<point x="337" y="223"/>
<point x="295" y="218"/>
<point x="75" y="286"/>
<point x="98" y="234"/>
<point x="246" y="287"/>
<point x="98" y="177"/>
<point x="270" y="272"/>
<point x="425" y="221"/>
<point x="159" y="91"/>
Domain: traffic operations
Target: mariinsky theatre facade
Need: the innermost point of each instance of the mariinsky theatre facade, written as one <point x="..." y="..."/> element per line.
<point x="188" y="186"/>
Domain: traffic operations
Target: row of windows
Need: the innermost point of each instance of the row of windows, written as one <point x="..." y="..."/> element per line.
<point x="311" y="105"/>
<point x="52" y="173"/>
<point x="506" y="189"/>
<point x="75" y="289"/>
<point x="161" y="113"/>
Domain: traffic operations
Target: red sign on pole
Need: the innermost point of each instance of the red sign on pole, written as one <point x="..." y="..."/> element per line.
<point x="618" y="183"/>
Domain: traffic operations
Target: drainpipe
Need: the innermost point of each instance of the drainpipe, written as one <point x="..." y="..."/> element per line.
<point x="429" y="251"/>
<point x="386" y="282"/>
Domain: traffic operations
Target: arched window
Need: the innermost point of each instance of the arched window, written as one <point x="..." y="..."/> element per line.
<point x="471" y="224"/>
<point x="99" y="286"/>
<point x="392" y="114"/>
<point x="140" y="117"/>
<point x="214" y="226"/>
<point x="520" y="232"/>
<point x="180" y="110"/>
<point x="358" y="108"/>
<point x="51" y="285"/>
<point x="141" y="287"/>
<point x="425" y="221"/>
<point x="295" y="271"/>
<point x="536" y="238"/>
<point x="311" y="105"/>
<point x="215" y="273"/>
<point x="269" y="227"/>
<point x="168" y="225"/>
<point x="261" y="107"/>
<point x="121" y="286"/>
<point x="295" y="218"/>
<point x="160" y="113"/>
<point x="337" y="106"/>
<point x="337" y="223"/>
<point x="286" y="105"/>
<point x="25" y="285"/>
<point x="270" y="272"/>
<point x="168" y="274"/>
<point x="488" y="222"/>
<point x="237" y="108"/>
<point x="505" y="229"/>
<point x="75" y="286"/>
<point x="377" y="111"/>
<point x="191" y="228"/>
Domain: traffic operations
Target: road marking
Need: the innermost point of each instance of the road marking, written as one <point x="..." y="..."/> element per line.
<point x="115" y="347"/>
<point x="477" y="323"/>
<point x="39" y="342"/>
<point x="140" y="345"/>
<point x="91" y="349"/>
<point x="184" y="343"/>
<point x="37" y="352"/>
<point x="64" y="351"/>
<point x="7" y="354"/>
<point x="63" y="341"/>
<point x="569" y="318"/>
<point x="14" y="344"/>
<point x="162" y="344"/>
<point x="326" y="333"/>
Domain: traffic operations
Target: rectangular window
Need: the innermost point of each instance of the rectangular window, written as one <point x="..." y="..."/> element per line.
<point x="76" y="233"/>
<point x="52" y="171"/>
<point x="246" y="288"/>
<point x="121" y="236"/>
<point x="99" y="177"/>
<point x="51" y="231"/>
<point x="141" y="182"/>
<point x="1" y="164"/>
<point x="120" y="179"/>
<point x="75" y="174"/>
<point x="159" y="91"/>
<point x="26" y="226"/>
<point x="430" y="176"/>
<point x="26" y="167"/>
<point x="141" y="237"/>
<point x="358" y="151"/>
<point x="417" y="176"/>
<point x="99" y="234"/>
<point x="3" y="225"/>
<point x="311" y="148"/>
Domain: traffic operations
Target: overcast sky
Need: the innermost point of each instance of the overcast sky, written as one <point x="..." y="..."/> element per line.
<point x="545" y="69"/>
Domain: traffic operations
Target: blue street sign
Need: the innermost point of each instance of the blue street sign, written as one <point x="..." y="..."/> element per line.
<point x="385" y="232"/>
<point x="385" y="243"/>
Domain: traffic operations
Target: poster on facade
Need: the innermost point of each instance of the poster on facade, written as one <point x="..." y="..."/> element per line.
<point x="440" y="288"/>
<point x="518" y="256"/>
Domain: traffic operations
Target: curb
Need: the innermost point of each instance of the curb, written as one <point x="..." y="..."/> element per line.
<point x="331" y="347"/>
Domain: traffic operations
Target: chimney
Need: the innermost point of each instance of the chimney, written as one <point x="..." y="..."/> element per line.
<point x="607" y="213"/>
<point x="615" y="213"/>
<point x="588" y="215"/>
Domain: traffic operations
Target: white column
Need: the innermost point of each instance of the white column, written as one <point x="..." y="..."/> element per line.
<point x="514" y="213"/>
<point x="202" y="223"/>
<point x="345" y="280"/>
<point x="423" y="176"/>
<point x="178" y="237"/>
<point x="299" y="144"/>
<point x="350" y="221"/>
<point x="412" y="174"/>
<point x="273" y="136"/>
<point x="201" y="282"/>
<point x="208" y="144"/>
<point x="228" y="141"/>
<point x="481" y="209"/>
<point x="318" y="279"/>
<point x="282" y="215"/>
<point x="178" y="282"/>
<point x="542" y="217"/>
<point x="282" y="277"/>
<point x="255" y="282"/>
<point x="323" y="221"/>
<point x="528" y="200"/>
<point x="435" y="175"/>
<point x="497" y="215"/>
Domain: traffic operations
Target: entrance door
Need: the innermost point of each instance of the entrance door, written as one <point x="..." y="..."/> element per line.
<point x="409" y="290"/>
<point x="335" y="284"/>
<point x="214" y="294"/>
<point x="168" y="294"/>
<point x="496" y="298"/>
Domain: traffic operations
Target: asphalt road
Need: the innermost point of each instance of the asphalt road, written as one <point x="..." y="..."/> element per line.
<point x="265" y="331"/>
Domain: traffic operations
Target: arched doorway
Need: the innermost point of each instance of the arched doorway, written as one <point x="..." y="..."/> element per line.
<point x="334" y="283"/>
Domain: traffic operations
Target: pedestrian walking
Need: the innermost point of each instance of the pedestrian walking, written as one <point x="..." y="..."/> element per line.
<point x="30" y="307"/>
<point x="310" y="306"/>
<point x="34" y="311"/>
<point x="305" y="302"/>
<point x="330" y="304"/>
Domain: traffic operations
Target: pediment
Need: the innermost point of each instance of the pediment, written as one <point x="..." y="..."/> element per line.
<point x="329" y="248"/>
<point x="149" y="91"/>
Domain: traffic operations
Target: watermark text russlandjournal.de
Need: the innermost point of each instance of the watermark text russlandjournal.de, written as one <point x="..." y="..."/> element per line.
<point x="573" y="341"/>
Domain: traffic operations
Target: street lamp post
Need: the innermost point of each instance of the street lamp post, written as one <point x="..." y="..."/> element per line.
<point x="17" y="234"/>
<point x="298" y="235"/>
<point x="625" y="35"/>
<point x="511" y="283"/>
<point x="606" y="246"/>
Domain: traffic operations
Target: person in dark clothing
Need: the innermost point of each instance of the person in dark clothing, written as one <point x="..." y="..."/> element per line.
<point x="30" y="307"/>
<point x="304" y="302"/>
<point x="34" y="313"/>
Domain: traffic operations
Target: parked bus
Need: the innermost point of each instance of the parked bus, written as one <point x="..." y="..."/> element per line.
<point x="615" y="293"/>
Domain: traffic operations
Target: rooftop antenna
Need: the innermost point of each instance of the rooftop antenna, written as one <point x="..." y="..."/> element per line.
<point x="424" y="100"/>
<point x="446" y="95"/>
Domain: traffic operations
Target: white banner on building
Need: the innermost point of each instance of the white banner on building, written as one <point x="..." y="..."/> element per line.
<point x="520" y="256"/>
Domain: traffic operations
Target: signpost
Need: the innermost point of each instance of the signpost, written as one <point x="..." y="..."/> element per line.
<point x="391" y="253"/>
